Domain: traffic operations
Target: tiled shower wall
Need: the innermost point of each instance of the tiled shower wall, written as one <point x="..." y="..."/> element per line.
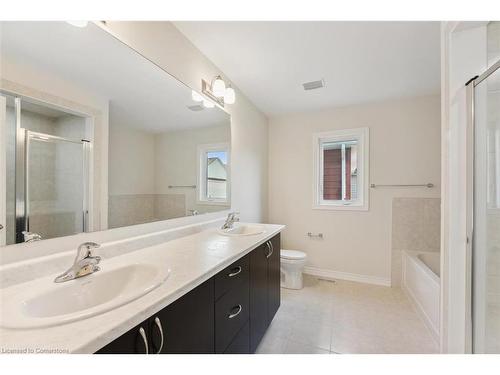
<point x="56" y="185"/>
<point x="416" y="226"/>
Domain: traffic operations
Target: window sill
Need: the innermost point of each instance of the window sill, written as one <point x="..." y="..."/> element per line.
<point x="340" y="207"/>
<point x="214" y="203"/>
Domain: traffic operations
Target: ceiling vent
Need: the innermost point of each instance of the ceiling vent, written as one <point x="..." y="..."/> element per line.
<point x="196" y="107"/>
<point x="313" y="85"/>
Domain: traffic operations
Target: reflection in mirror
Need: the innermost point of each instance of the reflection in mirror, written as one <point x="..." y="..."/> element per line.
<point x="51" y="168"/>
<point x="97" y="136"/>
<point x="164" y="179"/>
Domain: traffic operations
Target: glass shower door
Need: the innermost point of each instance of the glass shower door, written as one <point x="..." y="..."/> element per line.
<point x="486" y="219"/>
<point x="55" y="174"/>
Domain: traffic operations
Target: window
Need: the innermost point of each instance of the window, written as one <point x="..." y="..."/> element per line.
<point x="341" y="165"/>
<point x="213" y="174"/>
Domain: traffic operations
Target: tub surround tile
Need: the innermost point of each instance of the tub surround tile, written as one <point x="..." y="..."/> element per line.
<point x="169" y="206"/>
<point x="431" y="224"/>
<point x="132" y="209"/>
<point x="416" y="226"/>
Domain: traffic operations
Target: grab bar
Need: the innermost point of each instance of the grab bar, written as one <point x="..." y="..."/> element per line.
<point x="182" y="186"/>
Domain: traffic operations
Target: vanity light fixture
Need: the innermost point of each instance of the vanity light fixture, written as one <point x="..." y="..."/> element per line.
<point x="218" y="87"/>
<point x="200" y="99"/>
<point x="78" y="23"/>
<point x="196" y="97"/>
<point x="208" y="103"/>
<point x="229" y="95"/>
<point x="218" y="91"/>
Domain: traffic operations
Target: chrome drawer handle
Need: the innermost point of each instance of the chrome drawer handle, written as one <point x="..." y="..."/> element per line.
<point x="158" y="324"/>
<point x="232" y="274"/>
<point x="231" y="316"/>
<point x="143" y="335"/>
<point x="271" y="249"/>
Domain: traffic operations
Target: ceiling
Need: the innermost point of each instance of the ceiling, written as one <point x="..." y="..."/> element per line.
<point x="140" y="94"/>
<point x="360" y="61"/>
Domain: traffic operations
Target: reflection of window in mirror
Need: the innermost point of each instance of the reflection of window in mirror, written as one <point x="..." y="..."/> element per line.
<point x="213" y="173"/>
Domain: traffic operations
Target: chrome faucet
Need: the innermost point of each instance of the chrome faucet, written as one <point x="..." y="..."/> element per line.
<point x="231" y="218"/>
<point x="85" y="263"/>
<point x="31" y="236"/>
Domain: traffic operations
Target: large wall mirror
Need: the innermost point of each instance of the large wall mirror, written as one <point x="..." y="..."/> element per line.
<point x="95" y="136"/>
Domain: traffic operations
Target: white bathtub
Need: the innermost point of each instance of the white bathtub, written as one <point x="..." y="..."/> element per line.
<point x="421" y="283"/>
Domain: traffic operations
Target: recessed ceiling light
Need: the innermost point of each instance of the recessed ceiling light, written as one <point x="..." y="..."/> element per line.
<point x="313" y="85"/>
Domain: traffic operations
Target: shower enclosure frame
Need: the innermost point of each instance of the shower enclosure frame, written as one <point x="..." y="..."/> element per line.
<point x="471" y="254"/>
<point x="22" y="148"/>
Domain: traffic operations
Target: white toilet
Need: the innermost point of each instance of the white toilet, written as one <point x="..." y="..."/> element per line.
<point x="292" y="265"/>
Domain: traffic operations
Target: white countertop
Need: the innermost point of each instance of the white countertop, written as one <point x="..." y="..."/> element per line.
<point x="192" y="259"/>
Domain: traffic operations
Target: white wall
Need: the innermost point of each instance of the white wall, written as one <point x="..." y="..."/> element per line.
<point x="143" y="164"/>
<point x="131" y="160"/>
<point x="464" y="55"/>
<point x="162" y="43"/>
<point x="177" y="161"/>
<point x="404" y="149"/>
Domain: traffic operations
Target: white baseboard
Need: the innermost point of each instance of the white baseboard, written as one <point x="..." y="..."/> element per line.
<point x="331" y="275"/>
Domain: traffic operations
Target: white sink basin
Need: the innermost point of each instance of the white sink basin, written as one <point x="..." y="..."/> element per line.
<point x="53" y="304"/>
<point x="243" y="230"/>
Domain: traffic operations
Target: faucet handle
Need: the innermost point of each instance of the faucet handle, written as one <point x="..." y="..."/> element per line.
<point x="31" y="236"/>
<point x="84" y="250"/>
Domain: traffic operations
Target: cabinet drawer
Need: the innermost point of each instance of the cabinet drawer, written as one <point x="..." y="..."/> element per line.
<point x="231" y="276"/>
<point x="231" y="314"/>
<point x="241" y="343"/>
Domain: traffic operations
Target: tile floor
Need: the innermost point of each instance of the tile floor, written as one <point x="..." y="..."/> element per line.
<point x="346" y="317"/>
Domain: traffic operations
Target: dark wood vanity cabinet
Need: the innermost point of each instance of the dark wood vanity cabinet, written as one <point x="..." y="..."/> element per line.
<point x="228" y="313"/>
<point x="274" y="278"/>
<point x="134" y="341"/>
<point x="185" y="326"/>
<point x="232" y="307"/>
<point x="265" y="290"/>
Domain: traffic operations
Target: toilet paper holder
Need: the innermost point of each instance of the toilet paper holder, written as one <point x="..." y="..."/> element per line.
<point x="313" y="235"/>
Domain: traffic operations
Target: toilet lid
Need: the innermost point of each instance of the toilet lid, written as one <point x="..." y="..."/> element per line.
<point x="292" y="254"/>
